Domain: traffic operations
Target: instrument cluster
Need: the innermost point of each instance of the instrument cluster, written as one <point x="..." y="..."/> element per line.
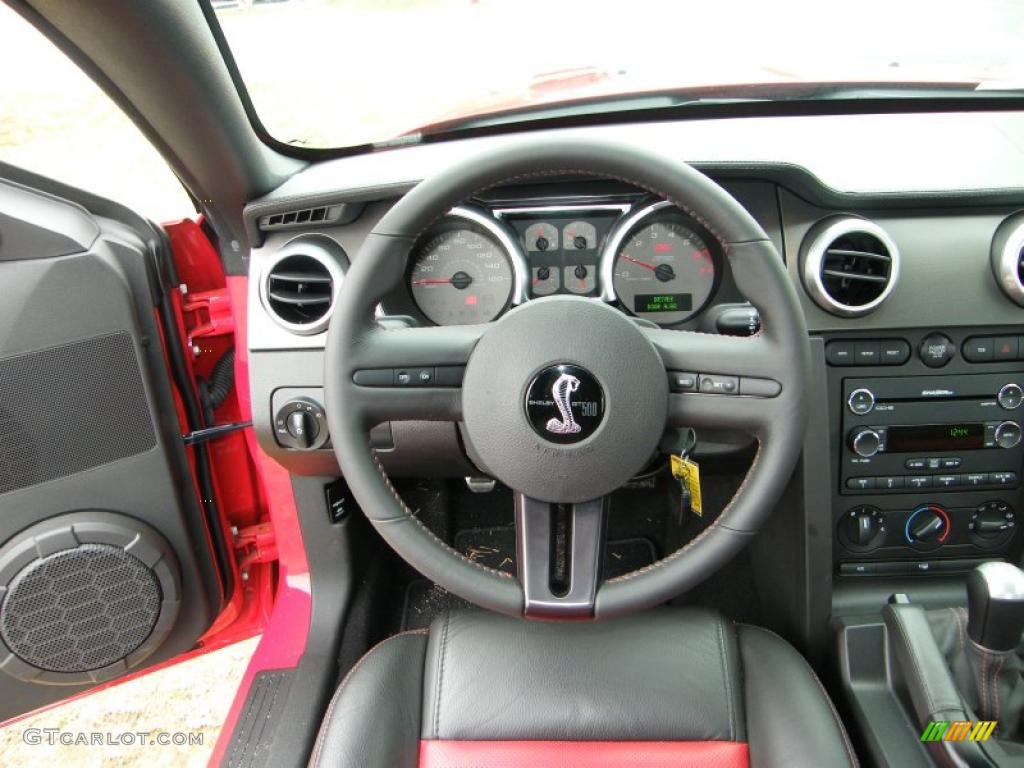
<point x="650" y="259"/>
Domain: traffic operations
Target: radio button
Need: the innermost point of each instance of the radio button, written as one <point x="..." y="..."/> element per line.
<point x="916" y="463"/>
<point x="889" y="483"/>
<point x="946" y="481"/>
<point x="936" y="350"/>
<point x="974" y="479"/>
<point x="865" y="442"/>
<point x="918" y="482"/>
<point x="1007" y="434"/>
<point x="1002" y="478"/>
<point x="950" y="462"/>
<point x="1010" y="396"/>
<point x="861" y="401"/>
<point x="860" y="483"/>
<point x="934" y="462"/>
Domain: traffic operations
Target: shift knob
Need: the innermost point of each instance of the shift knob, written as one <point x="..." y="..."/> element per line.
<point x="995" y="606"/>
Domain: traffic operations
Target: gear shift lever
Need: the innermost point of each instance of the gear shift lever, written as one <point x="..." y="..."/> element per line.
<point x="995" y="606"/>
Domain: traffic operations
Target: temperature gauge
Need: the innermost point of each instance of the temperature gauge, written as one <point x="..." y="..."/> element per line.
<point x="541" y="237"/>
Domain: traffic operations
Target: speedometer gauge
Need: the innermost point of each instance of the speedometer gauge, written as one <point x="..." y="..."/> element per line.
<point x="461" y="277"/>
<point x="663" y="269"/>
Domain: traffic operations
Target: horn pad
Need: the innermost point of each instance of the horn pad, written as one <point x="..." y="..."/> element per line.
<point x="564" y="399"/>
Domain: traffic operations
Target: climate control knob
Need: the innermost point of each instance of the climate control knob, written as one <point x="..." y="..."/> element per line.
<point x="927" y="526"/>
<point x="865" y="442"/>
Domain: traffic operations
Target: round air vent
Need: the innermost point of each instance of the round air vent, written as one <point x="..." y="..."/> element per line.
<point x="1007" y="257"/>
<point x="849" y="265"/>
<point x="300" y="284"/>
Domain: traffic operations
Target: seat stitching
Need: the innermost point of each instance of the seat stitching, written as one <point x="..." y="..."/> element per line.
<point x="440" y="677"/>
<point x="322" y="736"/>
<point x="835" y="715"/>
<point x="725" y="674"/>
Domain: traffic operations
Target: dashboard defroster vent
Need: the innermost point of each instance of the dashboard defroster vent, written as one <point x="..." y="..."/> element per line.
<point x="300" y="285"/>
<point x="303" y="216"/>
<point x="849" y="265"/>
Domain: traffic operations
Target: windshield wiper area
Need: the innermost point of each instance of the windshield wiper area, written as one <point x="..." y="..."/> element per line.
<point x="656" y="104"/>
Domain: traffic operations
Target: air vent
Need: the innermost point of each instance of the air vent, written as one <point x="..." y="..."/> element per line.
<point x="300" y="285"/>
<point x="850" y="266"/>
<point x="1008" y="255"/>
<point x="329" y="214"/>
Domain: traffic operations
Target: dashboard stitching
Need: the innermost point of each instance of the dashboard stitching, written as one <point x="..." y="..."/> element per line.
<point x="690" y="544"/>
<point x="409" y="514"/>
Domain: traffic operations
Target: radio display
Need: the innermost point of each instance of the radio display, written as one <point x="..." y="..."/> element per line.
<point x="935" y="437"/>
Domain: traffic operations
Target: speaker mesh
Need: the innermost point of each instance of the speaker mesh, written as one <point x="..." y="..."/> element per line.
<point x="80" y="609"/>
<point x="67" y="409"/>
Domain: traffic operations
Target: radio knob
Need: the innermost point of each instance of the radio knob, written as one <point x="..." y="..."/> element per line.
<point x="866" y="442"/>
<point x="1008" y="434"/>
<point x="861" y="401"/>
<point x="1010" y="396"/>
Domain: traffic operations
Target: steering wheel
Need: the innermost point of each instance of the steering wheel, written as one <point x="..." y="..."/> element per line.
<point x="564" y="399"/>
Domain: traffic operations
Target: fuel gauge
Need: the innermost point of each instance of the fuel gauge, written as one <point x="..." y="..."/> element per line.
<point x="541" y="237"/>
<point x="580" y="279"/>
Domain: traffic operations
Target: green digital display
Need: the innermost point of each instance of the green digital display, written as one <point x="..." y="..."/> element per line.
<point x="935" y="437"/>
<point x="663" y="302"/>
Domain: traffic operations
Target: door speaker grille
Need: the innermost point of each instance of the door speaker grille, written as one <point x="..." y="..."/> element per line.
<point x="80" y="609"/>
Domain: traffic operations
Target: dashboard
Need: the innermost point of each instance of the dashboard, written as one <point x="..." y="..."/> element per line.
<point x="909" y="275"/>
<point x="642" y="255"/>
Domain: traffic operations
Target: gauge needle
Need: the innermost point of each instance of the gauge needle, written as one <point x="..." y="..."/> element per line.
<point x="639" y="263"/>
<point x="432" y="281"/>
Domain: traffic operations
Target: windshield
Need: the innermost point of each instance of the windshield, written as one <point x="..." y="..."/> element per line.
<point x="336" y="73"/>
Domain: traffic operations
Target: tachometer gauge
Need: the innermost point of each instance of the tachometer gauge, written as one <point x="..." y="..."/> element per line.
<point x="461" y="277"/>
<point x="663" y="270"/>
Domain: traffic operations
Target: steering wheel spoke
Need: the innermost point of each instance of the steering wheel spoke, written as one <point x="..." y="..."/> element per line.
<point x="559" y="556"/>
<point x="411" y="373"/>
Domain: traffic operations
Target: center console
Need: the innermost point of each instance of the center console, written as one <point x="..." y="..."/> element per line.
<point x="928" y="431"/>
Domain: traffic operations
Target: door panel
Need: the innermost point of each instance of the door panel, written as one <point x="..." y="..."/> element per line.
<point x="105" y="557"/>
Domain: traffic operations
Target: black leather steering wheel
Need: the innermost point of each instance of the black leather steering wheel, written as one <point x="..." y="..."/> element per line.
<point x="629" y="363"/>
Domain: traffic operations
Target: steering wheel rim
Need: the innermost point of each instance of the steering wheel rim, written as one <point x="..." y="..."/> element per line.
<point x="779" y="353"/>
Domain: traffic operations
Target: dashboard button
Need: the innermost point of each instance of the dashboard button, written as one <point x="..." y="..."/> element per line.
<point x="918" y="481"/>
<point x="894" y="483"/>
<point x="1004" y="348"/>
<point x="978" y="349"/>
<point x="759" y="387"/>
<point x="839" y="353"/>
<point x="374" y="377"/>
<point x="933" y="462"/>
<point x="1002" y="478"/>
<point x="946" y="481"/>
<point x="950" y="462"/>
<point x="866" y="353"/>
<point x="682" y="382"/>
<point x="861" y="401"/>
<point x="893" y="351"/>
<point x="915" y="463"/>
<point x="936" y="350"/>
<point x="974" y="479"/>
<point x="860" y="483"/>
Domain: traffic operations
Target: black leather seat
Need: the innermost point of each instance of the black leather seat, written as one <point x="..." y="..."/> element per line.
<point x="665" y="688"/>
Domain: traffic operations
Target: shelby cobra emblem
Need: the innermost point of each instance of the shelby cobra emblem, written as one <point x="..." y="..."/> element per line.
<point x="564" y="403"/>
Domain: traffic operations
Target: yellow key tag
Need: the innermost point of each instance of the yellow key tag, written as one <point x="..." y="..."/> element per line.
<point x="687" y="471"/>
